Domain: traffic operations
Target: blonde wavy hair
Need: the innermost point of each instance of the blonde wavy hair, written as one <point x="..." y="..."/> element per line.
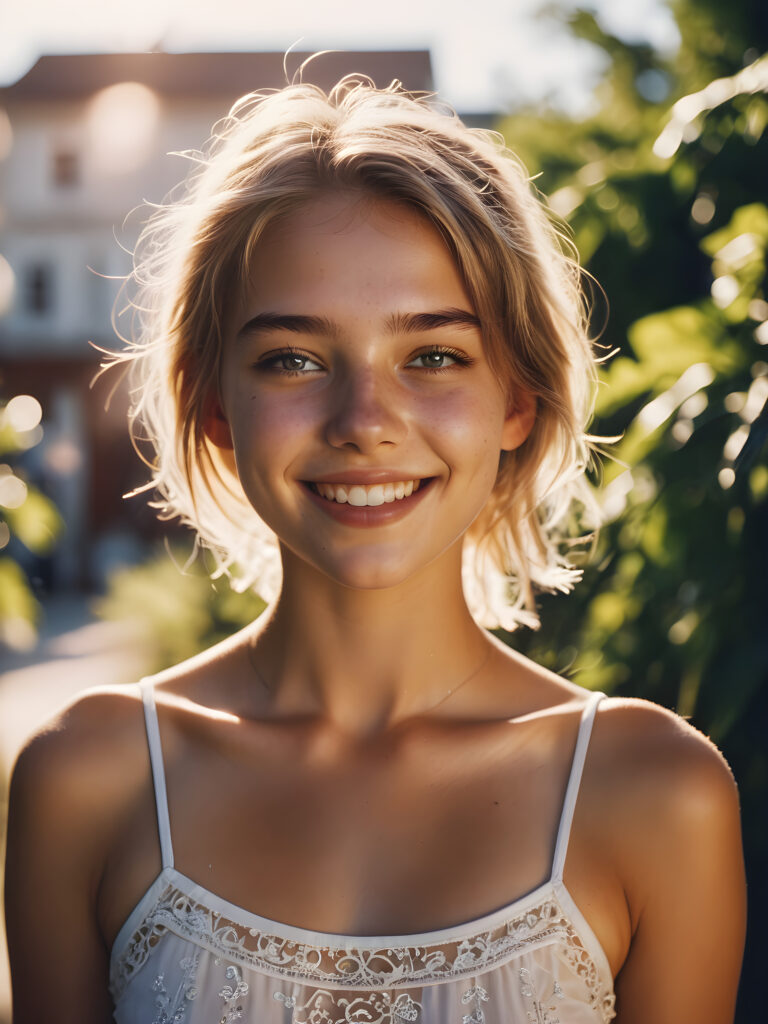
<point x="272" y="153"/>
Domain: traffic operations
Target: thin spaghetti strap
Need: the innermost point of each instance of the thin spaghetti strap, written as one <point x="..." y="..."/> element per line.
<point x="158" y="772"/>
<point x="574" y="782"/>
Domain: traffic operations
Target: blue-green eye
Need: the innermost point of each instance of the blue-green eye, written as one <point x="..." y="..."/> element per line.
<point x="289" y="362"/>
<point x="435" y="359"/>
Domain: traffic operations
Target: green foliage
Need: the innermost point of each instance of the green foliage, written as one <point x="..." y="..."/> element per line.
<point x="16" y="600"/>
<point x="686" y="492"/>
<point x="178" y="613"/>
<point x="676" y="233"/>
<point x="667" y="201"/>
<point x="26" y="516"/>
<point x="36" y="523"/>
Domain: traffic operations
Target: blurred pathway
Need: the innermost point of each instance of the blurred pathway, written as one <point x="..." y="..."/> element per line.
<point x="74" y="652"/>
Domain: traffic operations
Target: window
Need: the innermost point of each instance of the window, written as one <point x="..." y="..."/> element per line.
<point x="38" y="293"/>
<point x="66" y="168"/>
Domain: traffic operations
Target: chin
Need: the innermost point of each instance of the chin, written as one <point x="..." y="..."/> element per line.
<point x="384" y="569"/>
<point x="368" y="578"/>
<point x="374" y="566"/>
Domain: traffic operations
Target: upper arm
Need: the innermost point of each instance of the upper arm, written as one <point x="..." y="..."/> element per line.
<point x="58" y="829"/>
<point x="685" y="885"/>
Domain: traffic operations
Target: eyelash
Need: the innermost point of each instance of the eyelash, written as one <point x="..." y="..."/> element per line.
<point x="271" y="360"/>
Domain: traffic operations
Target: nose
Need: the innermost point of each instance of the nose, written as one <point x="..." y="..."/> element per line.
<point x="366" y="413"/>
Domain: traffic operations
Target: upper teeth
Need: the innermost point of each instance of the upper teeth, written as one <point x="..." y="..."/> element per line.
<point x="376" y="494"/>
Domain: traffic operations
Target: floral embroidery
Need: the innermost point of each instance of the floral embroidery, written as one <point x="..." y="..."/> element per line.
<point x="476" y="995"/>
<point x="324" y="1007"/>
<point x="173" y="1010"/>
<point x="162" y="1002"/>
<point x="537" y="1012"/>
<point x="232" y="993"/>
<point x="406" y="1008"/>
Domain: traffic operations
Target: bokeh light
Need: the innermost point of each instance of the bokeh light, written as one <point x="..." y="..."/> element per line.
<point x="703" y="209"/>
<point x="13" y="491"/>
<point x="122" y="126"/>
<point x="23" y="413"/>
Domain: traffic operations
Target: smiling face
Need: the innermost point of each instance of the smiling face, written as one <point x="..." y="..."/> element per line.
<point x="365" y="419"/>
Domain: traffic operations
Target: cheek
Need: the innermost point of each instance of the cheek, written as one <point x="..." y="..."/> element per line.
<point x="268" y="433"/>
<point x="469" y="430"/>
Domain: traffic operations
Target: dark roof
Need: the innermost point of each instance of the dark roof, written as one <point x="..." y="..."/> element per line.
<point x="76" y="76"/>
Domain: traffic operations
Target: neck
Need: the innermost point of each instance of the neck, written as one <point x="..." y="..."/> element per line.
<point x="367" y="659"/>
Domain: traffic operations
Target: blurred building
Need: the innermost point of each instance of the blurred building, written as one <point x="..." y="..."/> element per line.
<point x="83" y="141"/>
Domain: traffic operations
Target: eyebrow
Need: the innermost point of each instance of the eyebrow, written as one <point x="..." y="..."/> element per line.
<point x="413" y="323"/>
<point x="398" y="323"/>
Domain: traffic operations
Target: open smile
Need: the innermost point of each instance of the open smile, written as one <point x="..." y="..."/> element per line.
<point x="375" y="504"/>
<point x="362" y="496"/>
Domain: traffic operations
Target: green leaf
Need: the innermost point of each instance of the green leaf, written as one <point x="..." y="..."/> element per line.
<point x="666" y="344"/>
<point x="16" y="599"/>
<point x="36" y="523"/>
<point x="751" y="219"/>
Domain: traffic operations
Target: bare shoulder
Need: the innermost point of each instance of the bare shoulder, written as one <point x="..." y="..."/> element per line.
<point x="641" y="755"/>
<point x="70" y="787"/>
<point x="83" y="757"/>
<point x="90" y="724"/>
<point x="663" y="808"/>
<point x="666" y="796"/>
<point x="656" y="754"/>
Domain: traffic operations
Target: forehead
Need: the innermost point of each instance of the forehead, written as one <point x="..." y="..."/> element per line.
<point x="355" y="252"/>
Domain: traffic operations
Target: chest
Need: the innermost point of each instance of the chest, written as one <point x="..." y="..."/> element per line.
<point x="356" y="838"/>
<point x="384" y="841"/>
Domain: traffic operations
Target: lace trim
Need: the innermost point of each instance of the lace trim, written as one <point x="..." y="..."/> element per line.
<point x="352" y="967"/>
<point x="376" y="1008"/>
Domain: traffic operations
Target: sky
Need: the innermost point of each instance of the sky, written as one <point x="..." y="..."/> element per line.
<point x="487" y="54"/>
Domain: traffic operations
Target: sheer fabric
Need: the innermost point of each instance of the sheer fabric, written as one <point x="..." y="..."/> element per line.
<point x="186" y="955"/>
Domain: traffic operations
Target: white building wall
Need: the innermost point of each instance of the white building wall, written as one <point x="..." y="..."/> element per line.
<point x="77" y="233"/>
<point x="70" y="228"/>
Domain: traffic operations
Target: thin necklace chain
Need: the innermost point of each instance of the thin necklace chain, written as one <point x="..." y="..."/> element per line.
<point x="425" y="711"/>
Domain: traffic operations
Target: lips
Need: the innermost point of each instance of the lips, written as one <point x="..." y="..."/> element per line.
<point x="362" y="504"/>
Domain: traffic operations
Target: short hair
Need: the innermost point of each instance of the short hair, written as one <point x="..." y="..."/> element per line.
<point x="275" y="151"/>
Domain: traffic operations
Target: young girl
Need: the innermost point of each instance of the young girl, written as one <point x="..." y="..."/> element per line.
<point x="363" y="364"/>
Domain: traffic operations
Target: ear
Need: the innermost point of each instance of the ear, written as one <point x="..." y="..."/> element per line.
<point x="216" y="426"/>
<point x="519" y="421"/>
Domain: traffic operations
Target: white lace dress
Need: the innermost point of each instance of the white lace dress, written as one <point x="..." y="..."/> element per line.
<point x="187" y="956"/>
